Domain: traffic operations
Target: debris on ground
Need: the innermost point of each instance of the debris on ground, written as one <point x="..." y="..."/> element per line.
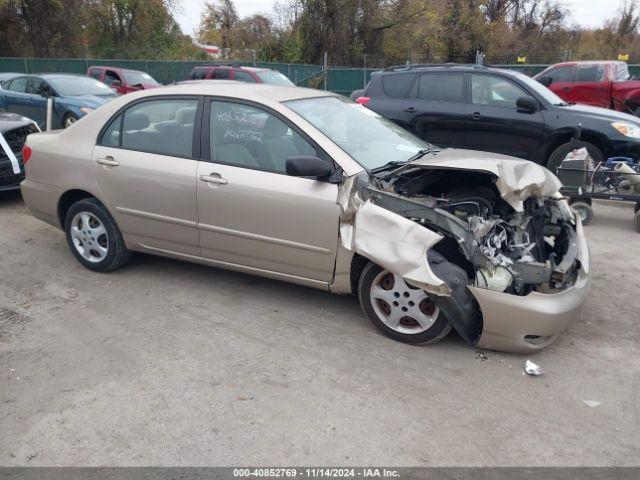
<point x="532" y="369"/>
<point x="592" y="403"/>
<point x="482" y="356"/>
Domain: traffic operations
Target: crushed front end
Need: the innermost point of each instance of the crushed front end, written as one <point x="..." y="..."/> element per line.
<point x="522" y="248"/>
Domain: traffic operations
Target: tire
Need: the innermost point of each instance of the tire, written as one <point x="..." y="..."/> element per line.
<point x="69" y="119"/>
<point x="586" y="200"/>
<point x="555" y="159"/>
<point x="636" y="219"/>
<point x="93" y="236"/>
<point x="429" y="329"/>
<point x="636" y="207"/>
<point x="584" y="210"/>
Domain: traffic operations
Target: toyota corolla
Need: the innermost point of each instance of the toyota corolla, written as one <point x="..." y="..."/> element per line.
<point x="307" y="187"/>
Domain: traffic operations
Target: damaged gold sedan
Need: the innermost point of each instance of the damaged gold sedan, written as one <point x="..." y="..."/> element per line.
<point x="307" y="187"/>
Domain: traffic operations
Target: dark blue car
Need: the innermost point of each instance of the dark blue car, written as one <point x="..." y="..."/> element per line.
<point x="73" y="97"/>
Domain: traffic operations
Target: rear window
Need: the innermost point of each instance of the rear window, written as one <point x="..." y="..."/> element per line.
<point x="441" y="87"/>
<point x="397" y="86"/>
<point x="590" y="73"/>
<point x="199" y="74"/>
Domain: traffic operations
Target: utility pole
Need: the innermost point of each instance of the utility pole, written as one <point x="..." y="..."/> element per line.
<point x="364" y="72"/>
<point x="325" y="69"/>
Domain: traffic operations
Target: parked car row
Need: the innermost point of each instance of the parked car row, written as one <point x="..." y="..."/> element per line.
<point x="76" y="95"/>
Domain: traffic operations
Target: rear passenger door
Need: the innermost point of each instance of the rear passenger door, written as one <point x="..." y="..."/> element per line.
<point x="145" y="163"/>
<point x="435" y="108"/>
<point x="251" y="213"/>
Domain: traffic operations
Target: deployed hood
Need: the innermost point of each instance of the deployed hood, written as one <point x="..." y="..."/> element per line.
<point x="516" y="179"/>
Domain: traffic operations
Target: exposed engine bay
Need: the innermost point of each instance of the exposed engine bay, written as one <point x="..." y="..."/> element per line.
<point x="501" y="249"/>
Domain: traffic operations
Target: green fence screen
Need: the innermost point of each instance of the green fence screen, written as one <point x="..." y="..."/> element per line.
<point x="339" y="79"/>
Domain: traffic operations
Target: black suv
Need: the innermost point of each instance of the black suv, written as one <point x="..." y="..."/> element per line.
<point x="502" y="111"/>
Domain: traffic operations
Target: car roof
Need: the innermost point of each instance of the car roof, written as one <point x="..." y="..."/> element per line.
<point x="119" y="69"/>
<point x="446" y="67"/>
<point x="242" y="67"/>
<point x="259" y="92"/>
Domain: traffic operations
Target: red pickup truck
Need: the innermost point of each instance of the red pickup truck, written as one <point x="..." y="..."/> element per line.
<point x="599" y="83"/>
<point x="123" y="80"/>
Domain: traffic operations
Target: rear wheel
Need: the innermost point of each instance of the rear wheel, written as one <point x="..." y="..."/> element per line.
<point x="94" y="237"/>
<point x="558" y="155"/>
<point x="399" y="310"/>
<point x="637" y="220"/>
<point x="69" y="119"/>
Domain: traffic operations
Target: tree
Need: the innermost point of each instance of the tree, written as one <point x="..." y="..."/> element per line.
<point x="218" y="24"/>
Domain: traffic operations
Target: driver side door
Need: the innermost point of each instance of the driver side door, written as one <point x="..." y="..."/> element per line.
<point x="252" y="215"/>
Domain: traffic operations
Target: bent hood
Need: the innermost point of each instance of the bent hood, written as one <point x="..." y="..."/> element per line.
<point x="516" y="179"/>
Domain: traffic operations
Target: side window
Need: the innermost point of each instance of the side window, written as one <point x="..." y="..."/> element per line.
<point x="111" y="136"/>
<point x="243" y="76"/>
<point x="441" y="87"/>
<point x="495" y="91"/>
<point x="221" y="74"/>
<point x="562" y="74"/>
<point x="18" y="85"/>
<point x="110" y="77"/>
<point x="38" y="86"/>
<point x="397" y="85"/>
<point x="590" y="73"/>
<point x="199" y="74"/>
<point x="96" y="72"/>
<point x="162" y="126"/>
<point x="246" y="136"/>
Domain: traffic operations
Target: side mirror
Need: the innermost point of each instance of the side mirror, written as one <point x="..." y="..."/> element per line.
<point x="116" y="84"/>
<point x="527" y="104"/>
<point x="545" y="80"/>
<point x="308" y="167"/>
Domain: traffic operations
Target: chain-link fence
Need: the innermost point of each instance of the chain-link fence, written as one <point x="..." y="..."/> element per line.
<point x="343" y="80"/>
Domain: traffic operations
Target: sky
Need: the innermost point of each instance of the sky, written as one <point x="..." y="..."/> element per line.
<point x="586" y="13"/>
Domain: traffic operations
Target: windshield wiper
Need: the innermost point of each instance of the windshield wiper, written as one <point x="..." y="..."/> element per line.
<point x="419" y="154"/>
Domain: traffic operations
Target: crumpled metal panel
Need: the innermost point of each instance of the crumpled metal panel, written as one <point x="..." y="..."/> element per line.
<point x="395" y="243"/>
<point x="516" y="180"/>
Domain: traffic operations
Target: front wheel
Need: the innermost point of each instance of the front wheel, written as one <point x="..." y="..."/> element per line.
<point x="94" y="237"/>
<point x="399" y="310"/>
<point x="558" y="155"/>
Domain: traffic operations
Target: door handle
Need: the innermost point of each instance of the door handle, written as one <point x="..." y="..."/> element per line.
<point x="107" y="162"/>
<point x="410" y="110"/>
<point x="566" y="89"/>
<point x="476" y="115"/>
<point x="214" y="178"/>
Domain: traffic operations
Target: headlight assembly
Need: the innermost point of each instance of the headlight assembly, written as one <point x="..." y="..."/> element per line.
<point x="627" y="129"/>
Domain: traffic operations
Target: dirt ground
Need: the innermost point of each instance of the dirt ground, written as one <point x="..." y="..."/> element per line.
<point x="169" y="363"/>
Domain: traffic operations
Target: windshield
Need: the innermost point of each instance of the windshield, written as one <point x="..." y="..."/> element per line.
<point x="368" y="138"/>
<point x="274" y="78"/>
<point x="540" y="89"/>
<point x="139" y="78"/>
<point x="73" y="86"/>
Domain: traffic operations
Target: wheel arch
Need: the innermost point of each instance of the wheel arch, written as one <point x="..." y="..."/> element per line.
<point x="70" y="197"/>
<point x="590" y="136"/>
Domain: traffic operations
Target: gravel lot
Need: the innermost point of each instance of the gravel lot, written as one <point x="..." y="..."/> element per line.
<point x="168" y="363"/>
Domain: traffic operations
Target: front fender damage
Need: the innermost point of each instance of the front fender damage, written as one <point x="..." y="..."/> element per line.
<point x="402" y="246"/>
